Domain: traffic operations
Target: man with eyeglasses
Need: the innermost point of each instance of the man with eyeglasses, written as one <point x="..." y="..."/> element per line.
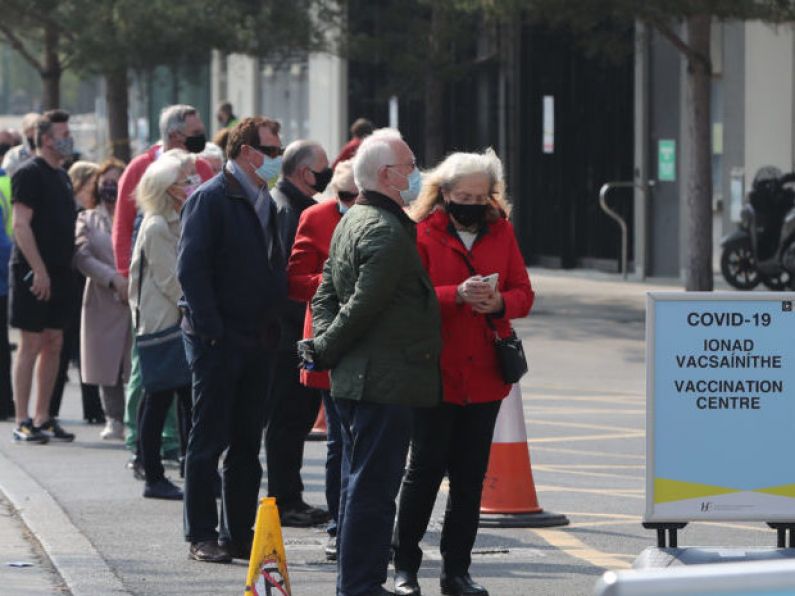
<point x="377" y="329"/>
<point x="305" y="173"/>
<point x="232" y="269"/>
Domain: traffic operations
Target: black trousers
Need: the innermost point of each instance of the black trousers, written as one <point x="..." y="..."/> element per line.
<point x="294" y="410"/>
<point x="456" y="440"/>
<point x="154" y="408"/>
<point x="230" y="397"/>
<point x="6" y="392"/>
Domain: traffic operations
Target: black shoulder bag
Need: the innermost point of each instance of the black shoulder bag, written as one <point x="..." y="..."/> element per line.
<point x="510" y="352"/>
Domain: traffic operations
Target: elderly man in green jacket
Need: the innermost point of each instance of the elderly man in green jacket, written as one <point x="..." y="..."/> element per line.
<point x="377" y="327"/>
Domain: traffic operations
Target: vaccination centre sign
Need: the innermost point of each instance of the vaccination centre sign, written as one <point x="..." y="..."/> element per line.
<point x="720" y="419"/>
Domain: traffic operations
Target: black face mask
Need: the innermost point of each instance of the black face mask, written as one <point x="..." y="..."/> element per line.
<point x="4" y="147"/>
<point x="108" y="192"/>
<point x="322" y="178"/>
<point x="467" y="215"/>
<point x="31" y="142"/>
<point x="196" y="143"/>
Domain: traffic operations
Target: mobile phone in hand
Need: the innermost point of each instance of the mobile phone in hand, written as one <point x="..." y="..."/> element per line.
<point x="491" y="280"/>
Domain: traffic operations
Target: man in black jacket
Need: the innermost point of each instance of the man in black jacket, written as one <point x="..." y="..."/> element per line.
<point x="232" y="270"/>
<point x="305" y="172"/>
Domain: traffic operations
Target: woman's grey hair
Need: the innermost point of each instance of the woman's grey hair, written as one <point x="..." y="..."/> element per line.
<point x="151" y="195"/>
<point x="212" y="151"/>
<point x="299" y="154"/>
<point x="343" y="178"/>
<point x="375" y="152"/>
<point x="172" y="119"/>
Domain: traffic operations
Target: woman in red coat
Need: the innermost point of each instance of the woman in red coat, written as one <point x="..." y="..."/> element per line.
<point x="304" y="273"/>
<point x="463" y="236"/>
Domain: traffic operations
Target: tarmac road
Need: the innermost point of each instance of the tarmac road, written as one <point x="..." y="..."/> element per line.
<point x="584" y="406"/>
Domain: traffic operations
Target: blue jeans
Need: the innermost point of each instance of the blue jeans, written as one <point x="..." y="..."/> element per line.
<point x="333" y="460"/>
<point x="375" y="440"/>
<point x="230" y="396"/>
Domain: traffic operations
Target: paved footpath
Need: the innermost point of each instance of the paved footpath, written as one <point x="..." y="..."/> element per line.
<point x="584" y="408"/>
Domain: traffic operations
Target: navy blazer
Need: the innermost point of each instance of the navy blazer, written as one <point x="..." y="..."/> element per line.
<point x="233" y="290"/>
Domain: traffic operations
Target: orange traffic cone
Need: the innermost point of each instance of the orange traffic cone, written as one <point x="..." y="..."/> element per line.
<point x="509" y="495"/>
<point x="318" y="432"/>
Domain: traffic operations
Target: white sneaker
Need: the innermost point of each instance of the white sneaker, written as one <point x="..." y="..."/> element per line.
<point x="113" y="431"/>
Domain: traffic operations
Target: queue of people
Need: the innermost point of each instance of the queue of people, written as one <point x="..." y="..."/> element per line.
<point x="379" y="303"/>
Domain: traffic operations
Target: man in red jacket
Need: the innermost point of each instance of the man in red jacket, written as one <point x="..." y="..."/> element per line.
<point x="304" y="272"/>
<point x="181" y="127"/>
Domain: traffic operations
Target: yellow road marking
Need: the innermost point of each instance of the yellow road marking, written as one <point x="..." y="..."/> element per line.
<point x="630" y="493"/>
<point x="558" y="410"/>
<point x="543" y="468"/>
<point x="620" y="429"/>
<point x="573" y="546"/>
<point x="584" y="452"/>
<point x="628" y="435"/>
<point x="607" y="515"/>
<point x="597" y="466"/>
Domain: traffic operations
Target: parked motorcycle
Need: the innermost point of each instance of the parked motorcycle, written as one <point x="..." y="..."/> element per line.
<point x="762" y="248"/>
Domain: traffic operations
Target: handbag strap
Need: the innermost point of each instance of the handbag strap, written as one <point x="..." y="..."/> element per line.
<point x="472" y="271"/>
<point x="140" y="284"/>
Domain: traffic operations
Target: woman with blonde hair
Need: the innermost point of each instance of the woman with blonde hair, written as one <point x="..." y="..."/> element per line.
<point x="469" y="249"/>
<point x="153" y="295"/>
<point x="105" y="321"/>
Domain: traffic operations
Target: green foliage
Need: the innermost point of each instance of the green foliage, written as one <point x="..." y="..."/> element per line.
<point x="404" y="40"/>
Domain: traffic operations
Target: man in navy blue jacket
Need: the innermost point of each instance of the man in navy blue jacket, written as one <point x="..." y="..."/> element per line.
<point x="232" y="270"/>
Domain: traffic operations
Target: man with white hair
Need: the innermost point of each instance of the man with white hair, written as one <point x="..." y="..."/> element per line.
<point x="377" y="328"/>
<point x="181" y="127"/>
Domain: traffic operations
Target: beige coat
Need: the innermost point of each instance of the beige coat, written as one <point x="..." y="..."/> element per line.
<point x="160" y="289"/>
<point x="105" y="321"/>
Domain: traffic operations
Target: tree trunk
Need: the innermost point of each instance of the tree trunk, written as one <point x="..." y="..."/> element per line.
<point x="118" y="108"/>
<point x="699" y="276"/>
<point x="51" y="73"/>
<point x="434" y="97"/>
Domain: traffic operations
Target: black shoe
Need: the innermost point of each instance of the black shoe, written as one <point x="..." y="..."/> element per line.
<point x="236" y="550"/>
<point x="303" y="516"/>
<point x="55" y="431"/>
<point x="209" y="551"/>
<point x="330" y="549"/>
<point x="461" y="585"/>
<point x="163" y="489"/>
<point x="137" y="467"/>
<point x="406" y="584"/>
<point x="27" y="433"/>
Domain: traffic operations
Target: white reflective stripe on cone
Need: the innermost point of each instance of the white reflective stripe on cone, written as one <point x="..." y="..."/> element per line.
<point x="510" y="421"/>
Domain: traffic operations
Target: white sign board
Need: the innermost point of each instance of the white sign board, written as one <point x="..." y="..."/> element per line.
<point x="548" y="124"/>
<point x="720" y="382"/>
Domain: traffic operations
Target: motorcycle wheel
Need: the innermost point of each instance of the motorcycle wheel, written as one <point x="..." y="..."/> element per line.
<point x="738" y="265"/>
<point x="778" y="283"/>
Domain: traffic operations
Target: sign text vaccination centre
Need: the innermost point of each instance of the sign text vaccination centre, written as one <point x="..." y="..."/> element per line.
<point x="720" y="406"/>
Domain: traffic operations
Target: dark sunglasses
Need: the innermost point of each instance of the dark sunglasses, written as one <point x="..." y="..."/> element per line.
<point x="269" y="150"/>
<point x="347" y="196"/>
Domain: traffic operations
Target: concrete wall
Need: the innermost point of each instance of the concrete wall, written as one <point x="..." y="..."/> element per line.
<point x="328" y="102"/>
<point x="768" y="97"/>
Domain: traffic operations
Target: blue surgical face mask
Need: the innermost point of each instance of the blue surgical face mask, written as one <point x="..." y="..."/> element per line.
<point x="410" y="194"/>
<point x="270" y="168"/>
<point x="342" y="207"/>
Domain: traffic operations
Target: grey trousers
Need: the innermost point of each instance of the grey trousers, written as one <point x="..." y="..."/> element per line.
<point x="112" y="397"/>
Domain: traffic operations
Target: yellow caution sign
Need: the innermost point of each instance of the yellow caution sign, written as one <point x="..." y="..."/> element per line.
<point x="267" y="569"/>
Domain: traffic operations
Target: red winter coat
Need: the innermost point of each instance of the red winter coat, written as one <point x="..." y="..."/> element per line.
<point x="469" y="363"/>
<point x="305" y="268"/>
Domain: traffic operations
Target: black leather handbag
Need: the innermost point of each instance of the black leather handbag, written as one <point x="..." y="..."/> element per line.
<point x="510" y="352"/>
<point x="510" y="356"/>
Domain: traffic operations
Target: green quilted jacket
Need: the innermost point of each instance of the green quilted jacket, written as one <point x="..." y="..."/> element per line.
<point x="376" y="319"/>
